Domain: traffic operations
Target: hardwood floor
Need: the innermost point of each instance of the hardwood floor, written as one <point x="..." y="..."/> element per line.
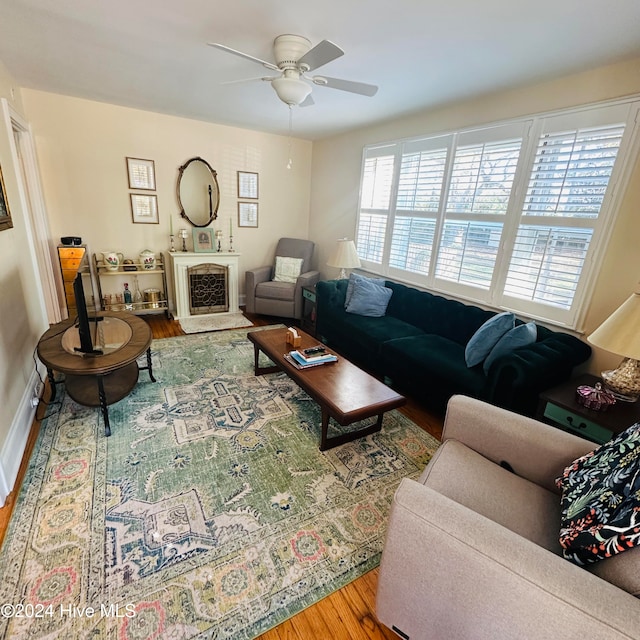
<point x="347" y="614"/>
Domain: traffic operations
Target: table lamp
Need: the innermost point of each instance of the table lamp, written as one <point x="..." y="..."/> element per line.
<point x="620" y="334"/>
<point x="344" y="257"/>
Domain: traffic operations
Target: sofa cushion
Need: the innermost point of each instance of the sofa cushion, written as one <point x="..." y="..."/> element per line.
<point x="445" y="360"/>
<point x="487" y="336"/>
<point x="352" y="279"/>
<point x="275" y="290"/>
<point x="435" y="314"/>
<point x="365" y="330"/>
<point x="368" y="299"/>
<point x="287" y="269"/>
<point x="470" y="479"/>
<point x="601" y="500"/>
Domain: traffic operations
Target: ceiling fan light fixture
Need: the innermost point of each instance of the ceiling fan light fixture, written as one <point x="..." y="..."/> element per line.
<point x="291" y="91"/>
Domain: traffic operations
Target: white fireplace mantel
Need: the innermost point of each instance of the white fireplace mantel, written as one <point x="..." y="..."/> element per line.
<point x="180" y="261"/>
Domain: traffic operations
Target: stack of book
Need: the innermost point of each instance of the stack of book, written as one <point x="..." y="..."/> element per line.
<point x="302" y="360"/>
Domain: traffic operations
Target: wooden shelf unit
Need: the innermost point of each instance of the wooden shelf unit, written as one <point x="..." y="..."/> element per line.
<point x="139" y="308"/>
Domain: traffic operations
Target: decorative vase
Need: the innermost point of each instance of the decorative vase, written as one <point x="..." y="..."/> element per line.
<point x="112" y="260"/>
<point x="148" y="259"/>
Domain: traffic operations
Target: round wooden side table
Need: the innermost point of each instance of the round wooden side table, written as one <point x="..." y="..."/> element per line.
<point x="98" y="380"/>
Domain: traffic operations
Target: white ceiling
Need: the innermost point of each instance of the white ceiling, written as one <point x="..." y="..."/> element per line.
<point x="152" y="54"/>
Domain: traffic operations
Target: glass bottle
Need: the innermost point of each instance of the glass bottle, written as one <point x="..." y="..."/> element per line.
<point x="137" y="294"/>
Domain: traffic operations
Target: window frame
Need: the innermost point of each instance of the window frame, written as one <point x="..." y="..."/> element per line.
<point x="532" y="127"/>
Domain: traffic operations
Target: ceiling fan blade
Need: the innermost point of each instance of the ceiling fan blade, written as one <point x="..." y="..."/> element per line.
<point x="319" y="55"/>
<point x="346" y="85"/>
<point x="264" y="63"/>
<point x="266" y="78"/>
<point x="307" y="102"/>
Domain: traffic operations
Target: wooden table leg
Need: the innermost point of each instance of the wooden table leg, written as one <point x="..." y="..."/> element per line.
<point x="257" y="369"/>
<point x="103" y="405"/>
<point x="52" y="384"/>
<point x="149" y="366"/>
<point x="329" y="443"/>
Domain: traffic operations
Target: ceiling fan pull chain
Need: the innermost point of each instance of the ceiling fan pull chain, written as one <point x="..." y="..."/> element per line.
<point x="290" y="162"/>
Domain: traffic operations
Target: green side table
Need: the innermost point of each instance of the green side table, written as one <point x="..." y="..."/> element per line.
<point x="558" y="406"/>
<point x="308" y="321"/>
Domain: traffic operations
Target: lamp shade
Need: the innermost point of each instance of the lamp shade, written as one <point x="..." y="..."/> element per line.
<point x="620" y="332"/>
<point x="345" y="255"/>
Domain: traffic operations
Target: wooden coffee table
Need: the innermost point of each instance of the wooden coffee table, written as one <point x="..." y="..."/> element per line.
<point x="343" y="391"/>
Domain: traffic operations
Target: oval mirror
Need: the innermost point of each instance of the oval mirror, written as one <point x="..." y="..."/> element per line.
<point x="198" y="192"/>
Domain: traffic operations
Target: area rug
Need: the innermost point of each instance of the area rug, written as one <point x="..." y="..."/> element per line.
<point x="208" y="513"/>
<point x="200" y="324"/>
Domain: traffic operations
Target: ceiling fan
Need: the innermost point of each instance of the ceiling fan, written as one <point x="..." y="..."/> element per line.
<point x="294" y="57"/>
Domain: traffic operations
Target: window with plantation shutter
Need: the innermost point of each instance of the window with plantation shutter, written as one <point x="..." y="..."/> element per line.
<point x="417" y="204"/>
<point x="511" y="215"/>
<point x="479" y="193"/>
<point x="375" y="197"/>
<point x="567" y="185"/>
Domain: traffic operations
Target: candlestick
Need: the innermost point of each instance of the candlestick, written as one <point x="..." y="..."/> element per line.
<point x="183" y="234"/>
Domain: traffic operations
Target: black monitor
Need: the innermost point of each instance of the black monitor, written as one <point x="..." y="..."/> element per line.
<point x="87" y="319"/>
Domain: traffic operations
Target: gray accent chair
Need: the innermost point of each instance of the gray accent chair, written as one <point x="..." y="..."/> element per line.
<point x="472" y="547"/>
<point x="282" y="299"/>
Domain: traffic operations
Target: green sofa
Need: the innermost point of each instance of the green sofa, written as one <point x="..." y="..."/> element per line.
<point x="419" y="345"/>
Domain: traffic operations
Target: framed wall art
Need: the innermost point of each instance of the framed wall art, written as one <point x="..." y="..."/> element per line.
<point x="247" y="214"/>
<point x="5" y="213"/>
<point x="203" y="240"/>
<point x="142" y="174"/>
<point x="144" y="208"/>
<point x="247" y="185"/>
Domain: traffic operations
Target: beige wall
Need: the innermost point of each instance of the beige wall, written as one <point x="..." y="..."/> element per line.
<point x="337" y="162"/>
<point x="22" y="314"/>
<point x="82" y="146"/>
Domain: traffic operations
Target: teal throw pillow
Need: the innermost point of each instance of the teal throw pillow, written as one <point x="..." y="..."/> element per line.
<point x="353" y="278"/>
<point x="522" y="336"/>
<point x="487" y="336"/>
<point x="369" y="299"/>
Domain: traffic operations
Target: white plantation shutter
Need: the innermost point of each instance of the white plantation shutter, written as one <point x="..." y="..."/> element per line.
<point x="375" y="198"/>
<point x="417" y="203"/>
<point x="370" y="236"/>
<point x="412" y="243"/>
<point x="511" y="215"/>
<point x="566" y="190"/>
<point x="571" y="172"/>
<point x="546" y="264"/>
<point x="377" y="179"/>
<point x="482" y="177"/>
<point x="420" y="181"/>
<point x="479" y="193"/>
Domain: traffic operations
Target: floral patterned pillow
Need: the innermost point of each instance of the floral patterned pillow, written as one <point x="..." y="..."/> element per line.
<point x="601" y="500"/>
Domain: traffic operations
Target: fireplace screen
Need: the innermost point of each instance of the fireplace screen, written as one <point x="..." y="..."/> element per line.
<point x="208" y="290"/>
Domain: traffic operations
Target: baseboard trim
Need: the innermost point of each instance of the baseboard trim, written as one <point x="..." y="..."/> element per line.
<point x="14" y="446"/>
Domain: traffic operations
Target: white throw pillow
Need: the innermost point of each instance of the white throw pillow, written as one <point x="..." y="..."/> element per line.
<point x="287" y="269"/>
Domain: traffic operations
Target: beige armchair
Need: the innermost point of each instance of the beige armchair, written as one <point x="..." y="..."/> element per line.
<point x="472" y="547"/>
<point x="284" y="299"/>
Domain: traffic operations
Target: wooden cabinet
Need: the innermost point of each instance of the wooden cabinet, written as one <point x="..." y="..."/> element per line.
<point x="152" y="284"/>
<point x="70" y="259"/>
